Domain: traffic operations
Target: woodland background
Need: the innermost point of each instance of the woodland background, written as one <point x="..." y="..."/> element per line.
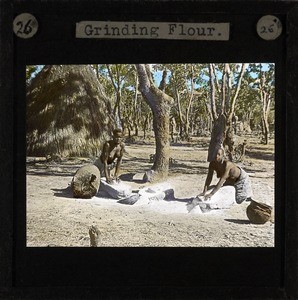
<point x="71" y="109"/>
<point x="180" y="113"/>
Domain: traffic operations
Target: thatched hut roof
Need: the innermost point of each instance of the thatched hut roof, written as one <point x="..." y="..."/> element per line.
<point x="67" y="112"/>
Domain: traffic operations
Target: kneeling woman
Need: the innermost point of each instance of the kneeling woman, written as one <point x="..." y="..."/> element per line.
<point x="228" y="174"/>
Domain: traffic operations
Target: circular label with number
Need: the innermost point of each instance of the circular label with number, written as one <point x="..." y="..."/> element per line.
<point x="269" y="28"/>
<point x="25" y="26"/>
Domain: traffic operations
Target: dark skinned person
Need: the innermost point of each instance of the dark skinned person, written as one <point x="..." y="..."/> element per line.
<point x="229" y="174"/>
<point x="111" y="157"/>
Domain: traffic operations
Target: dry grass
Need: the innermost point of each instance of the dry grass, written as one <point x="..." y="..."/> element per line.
<point x="67" y="112"/>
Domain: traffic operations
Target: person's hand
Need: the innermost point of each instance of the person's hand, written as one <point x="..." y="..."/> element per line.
<point x="208" y="196"/>
<point x="109" y="180"/>
<point x="201" y="194"/>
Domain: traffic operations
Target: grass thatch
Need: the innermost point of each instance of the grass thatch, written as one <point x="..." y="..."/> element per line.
<point x="67" y="112"/>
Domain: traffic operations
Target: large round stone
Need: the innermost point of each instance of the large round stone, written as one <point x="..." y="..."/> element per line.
<point x="86" y="181"/>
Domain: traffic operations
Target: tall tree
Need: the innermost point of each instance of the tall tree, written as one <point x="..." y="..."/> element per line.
<point x="118" y="75"/>
<point x="160" y="104"/>
<point x="182" y="81"/>
<point x="265" y="87"/>
<point x="115" y="80"/>
<point x="229" y="132"/>
<point x="222" y="112"/>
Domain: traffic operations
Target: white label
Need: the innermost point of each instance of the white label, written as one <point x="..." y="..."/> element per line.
<point x="153" y="30"/>
<point x="25" y="26"/>
<point x="269" y="28"/>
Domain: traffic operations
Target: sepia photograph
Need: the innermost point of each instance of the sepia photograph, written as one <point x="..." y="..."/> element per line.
<point x="150" y="155"/>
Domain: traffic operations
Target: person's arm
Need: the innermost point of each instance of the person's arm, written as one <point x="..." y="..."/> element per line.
<point x="208" y="179"/>
<point x="119" y="160"/>
<point x="220" y="183"/>
<point x="105" y="157"/>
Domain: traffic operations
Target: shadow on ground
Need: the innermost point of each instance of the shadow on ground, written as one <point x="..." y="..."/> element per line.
<point x="236" y="221"/>
<point x="65" y="193"/>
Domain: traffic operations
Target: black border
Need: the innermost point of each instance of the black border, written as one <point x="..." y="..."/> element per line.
<point x="164" y="280"/>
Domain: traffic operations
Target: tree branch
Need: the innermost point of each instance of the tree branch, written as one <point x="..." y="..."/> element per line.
<point x="162" y="85"/>
<point x="232" y="108"/>
<point x="212" y="92"/>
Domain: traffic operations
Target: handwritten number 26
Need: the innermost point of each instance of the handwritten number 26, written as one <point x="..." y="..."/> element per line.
<point x="269" y="29"/>
<point x="24" y="29"/>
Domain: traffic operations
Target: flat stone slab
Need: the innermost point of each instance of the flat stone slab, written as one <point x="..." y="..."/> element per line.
<point x="224" y="198"/>
<point x="116" y="190"/>
<point x="159" y="191"/>
<point x="147" y="177"/>
<point x="138" y="176"/>
<point x="130" y="200"/>
<point x="160" y="198"/>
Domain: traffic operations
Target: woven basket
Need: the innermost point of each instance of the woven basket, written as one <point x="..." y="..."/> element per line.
<point x="258" y="213"/>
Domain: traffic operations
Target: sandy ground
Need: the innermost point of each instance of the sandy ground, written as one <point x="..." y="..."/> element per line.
<point x="55" y="218"/>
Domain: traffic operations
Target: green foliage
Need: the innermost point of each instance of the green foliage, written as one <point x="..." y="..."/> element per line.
<point x="187" y="84"/>
<point x="30" y="72"/>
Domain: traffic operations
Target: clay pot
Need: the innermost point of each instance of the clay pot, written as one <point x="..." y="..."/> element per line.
<point x="258" y="212"/>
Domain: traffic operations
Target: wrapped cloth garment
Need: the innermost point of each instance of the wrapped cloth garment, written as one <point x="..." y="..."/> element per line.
<point x="242" y="187"/>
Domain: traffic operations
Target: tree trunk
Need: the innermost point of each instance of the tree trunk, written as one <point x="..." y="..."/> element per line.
<point x="223" y="89"/>
<point x="160" y="104"/>
<point x="117" y="107"/>
<point x="162" y="85"/>
<point x="228" y="87"/>
<point x="222" y="132"/>
<point x="136" y="128"/>
<point x="217" y="134"/>
<point x="136" y="116"/>
<point x="233" y="103"/>
<point x="181" y="130"/>
<point x="265" y="128"/>
<point x="217" y="137"/>
<point x="266" y="99"/>
<point x="229" y="140"/>
<point x="212" y="93"/>
<point x="187" y="125"/>
<point x="161" y="123"/>
<point x="264" y="131"/>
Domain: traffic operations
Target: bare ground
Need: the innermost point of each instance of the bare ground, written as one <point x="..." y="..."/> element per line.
<point x="54" y="218"/>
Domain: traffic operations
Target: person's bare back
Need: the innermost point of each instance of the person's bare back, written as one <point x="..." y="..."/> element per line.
<point x="227" y="171"/>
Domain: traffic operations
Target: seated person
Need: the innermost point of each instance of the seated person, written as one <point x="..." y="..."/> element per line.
<point x="111" y="155"/>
